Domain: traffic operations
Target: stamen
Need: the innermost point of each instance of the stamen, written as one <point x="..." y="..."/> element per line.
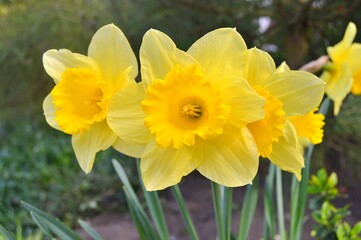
<point x="192" y="110"/>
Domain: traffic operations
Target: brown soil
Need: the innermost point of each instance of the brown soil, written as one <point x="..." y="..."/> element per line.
<point x="197" y="193"/>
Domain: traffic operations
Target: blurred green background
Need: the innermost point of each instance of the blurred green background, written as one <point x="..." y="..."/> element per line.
<point x="37" y="163"/>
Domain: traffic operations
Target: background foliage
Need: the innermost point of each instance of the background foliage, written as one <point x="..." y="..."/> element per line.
<point x="37" y="163"/>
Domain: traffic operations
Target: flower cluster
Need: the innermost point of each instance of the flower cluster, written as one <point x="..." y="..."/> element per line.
<point x="343" y="72"/>
<point x="214" y="108"/>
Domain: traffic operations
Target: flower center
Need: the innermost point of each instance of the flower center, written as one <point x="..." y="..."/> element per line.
<point x="267" y="130"/>
<point x="194" y="111"/>
<point x="80" y="99"/>
<point x="182" y="107"/>
<point x="356" y="85"/>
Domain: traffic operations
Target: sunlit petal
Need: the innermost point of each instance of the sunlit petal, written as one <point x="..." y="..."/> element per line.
<point x="125" y="116"/>
<point x="86" y="145"/>
<point x="130" y="149"/>
<point x="286" y="153"/>
<point x="164" y="167"/>
<point x="49" y="112"/>
<point x="339" y="84"/>
<point x="56" y="61"/>
<point x="112" y="52"/>
<point x="231" y="163"/>
<point x="258" y="66"/>
<point x="158" y="55"/>
<point x="226" y="46"/>
<point x="299" y="91"/>
<point x="338" y="50"/>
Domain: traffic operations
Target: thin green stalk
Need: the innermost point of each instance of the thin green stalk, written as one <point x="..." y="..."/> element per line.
<point x="299" y="189"/>
<point x="227" y="202"/>
<point x="185" y="213"/>
<point x="269" y="219"/>
<point x="155" y="209"/>
<point x="248" y="209"/>
<point x="280" y="208"/>
<point x="218" y="210"/>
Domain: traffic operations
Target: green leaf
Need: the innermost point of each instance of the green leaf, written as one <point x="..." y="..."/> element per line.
<point x="155" y="209"/>
<point x="356" y="230"/>
<point x="6" y="234"/>
<point x="141" y="220"/>
<point x="332" y="180"/>
<point x="185" y="213"/>
<point x="248" y="209"/>
<point x="89" y="230"/>
<point x="50" y="224"/>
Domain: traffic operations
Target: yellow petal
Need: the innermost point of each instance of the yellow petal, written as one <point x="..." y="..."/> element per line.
<point x="283" y="67"/>
<point x="356" y="85"/>
<point x="247" y="105"/>
<point x="299" y="91"/>
<point x="339" y="49"/>
<point x="125" y="116"/>
<point x="112" y="52"/>
<point x="49" y="112"/>
<point x="286" y="154"/>
<point x="352" y="57"/>
<point x="258" y="66"/>
<point x="164" y="167"/>
<point x="55" y="62"/>
<point x="158" y="55"/>
<point x="339" y="83"/>
<point x="131" y="149"/>
<point x="86" y="145"/>
<point x="219" y="53"/>
<point x="231" y="159"/>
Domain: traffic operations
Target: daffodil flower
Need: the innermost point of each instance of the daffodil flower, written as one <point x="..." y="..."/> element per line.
<point x="192" y="108"/>
<point x="287" y="93"/>
<point x="309" y="127"/>
<point x="343" y="73"/>
<point x="78" y="104"/>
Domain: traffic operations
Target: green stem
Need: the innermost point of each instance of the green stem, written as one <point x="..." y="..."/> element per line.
<point x="155" y="209"/>
<point x="227" y="202"/>
<point x="280" y="209"/>
<point x="218" y="210"/>
<point x="248" y="209"/>
<point x="269" y="219"/>
<point x="185" y="214"/>
<point x="299" y="189"/>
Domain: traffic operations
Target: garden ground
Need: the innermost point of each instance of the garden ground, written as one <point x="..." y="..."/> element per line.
<point x="197" y="193"/>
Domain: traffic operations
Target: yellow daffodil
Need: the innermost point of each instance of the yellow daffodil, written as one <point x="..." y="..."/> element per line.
<point x="193" y="107"/>
<point x="343" y="73"/>
<point x="287" y="93"/>
<point x="78" y="103"/>
<point x="309" y="127"/>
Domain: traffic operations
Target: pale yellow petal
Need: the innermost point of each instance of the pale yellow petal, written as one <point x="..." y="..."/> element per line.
<point x="283" y="67"/>
<point x="86" y="145"/>
<point x="247" y="105"/>
<point x="130" y="149"/>
<point x="49" y="112"/>
<point x="125" y="116"/>
<point x="110" y="49"/>
<point x="299" y="91"/>
<point x="165" y="167"/>
<point x="158" y="55"/>
<point x="56" y="61"/>
<point x="286" y="152"/>
<point x="219" y="53"/>
<point x="258" y="66"/>
<point x="353" y="58"/>
<point x="339" y="84"/>
<point x="231" y="159"/>
<point x="339" y="49"/>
